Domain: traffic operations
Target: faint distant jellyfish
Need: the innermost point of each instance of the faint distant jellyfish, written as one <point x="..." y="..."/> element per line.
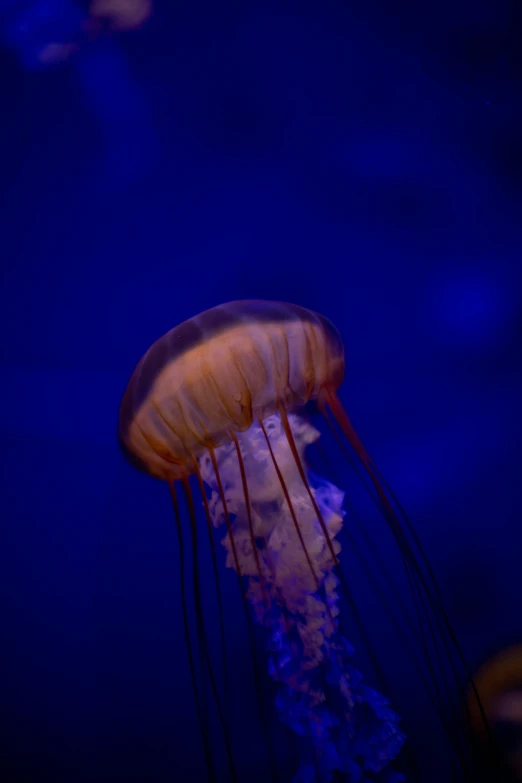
<point x="48" y="32"/>
<point x="499" y="681"/>
<point x="221" y="398"/>
<point x="121" y="14"/>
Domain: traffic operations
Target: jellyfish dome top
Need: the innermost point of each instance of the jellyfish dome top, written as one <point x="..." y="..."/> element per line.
<point x="219" y="372"/>
<point x="221" y="398"/>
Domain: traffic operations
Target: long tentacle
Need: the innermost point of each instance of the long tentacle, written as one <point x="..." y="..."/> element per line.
<point x="184" y="606"/>
<point x="295" y="521"/>
<point x="430" y="588"/>
<point x="201" y="624"/>
<point x="226" y="684"/>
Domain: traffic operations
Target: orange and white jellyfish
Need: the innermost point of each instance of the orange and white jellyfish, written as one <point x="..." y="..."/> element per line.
<point x="217" y="404"/>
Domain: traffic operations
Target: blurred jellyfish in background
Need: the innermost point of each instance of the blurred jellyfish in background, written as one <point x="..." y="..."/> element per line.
<point x="42" y="32"/>
<point x="221" y="399"/>
<point x="499" y="681"/>
<point x="120" y="14"/>
<point x="47" y="33"/>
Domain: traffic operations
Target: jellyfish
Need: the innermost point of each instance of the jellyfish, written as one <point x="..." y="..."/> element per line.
<point x="48" y="32"/>
<point x="218" y="406"/>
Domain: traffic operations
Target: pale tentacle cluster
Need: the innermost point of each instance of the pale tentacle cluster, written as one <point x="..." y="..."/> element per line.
<point x="293" y="591"/>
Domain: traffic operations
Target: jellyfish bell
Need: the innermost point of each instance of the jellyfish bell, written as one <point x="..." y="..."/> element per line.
<point x="217" y="373"/>
<point x="221" y="398"/>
